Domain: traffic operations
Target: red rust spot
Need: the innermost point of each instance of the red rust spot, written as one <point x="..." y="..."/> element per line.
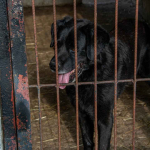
<point x="20" y="125"/>
<point x="13" y="137"/>
<point x="23" y="87"/>
<point x="21" y="23"/>
<point x="13" y="144"/>
<point x="10" y="77"/>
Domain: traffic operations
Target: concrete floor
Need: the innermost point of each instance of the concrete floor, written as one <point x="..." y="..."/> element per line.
<point x="44" y="19"/>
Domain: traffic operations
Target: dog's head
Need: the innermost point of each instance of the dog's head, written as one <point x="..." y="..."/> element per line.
<point x="85" y="47"/>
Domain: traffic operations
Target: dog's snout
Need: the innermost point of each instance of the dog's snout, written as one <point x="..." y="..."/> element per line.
<point x="53" y="64"/>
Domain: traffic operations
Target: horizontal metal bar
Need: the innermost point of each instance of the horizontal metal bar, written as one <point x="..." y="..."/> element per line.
<point x="80" y="83"/>
<point x="89" y="83"/>
<point x="143" y="79"/>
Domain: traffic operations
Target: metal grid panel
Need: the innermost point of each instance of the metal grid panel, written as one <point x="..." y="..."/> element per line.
<point x="115" y="81"/>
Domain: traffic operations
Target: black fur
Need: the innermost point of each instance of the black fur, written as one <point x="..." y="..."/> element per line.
<point x="105" y="69"/>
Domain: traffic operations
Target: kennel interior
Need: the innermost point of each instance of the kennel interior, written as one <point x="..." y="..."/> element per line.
<point x="48" y="103"/>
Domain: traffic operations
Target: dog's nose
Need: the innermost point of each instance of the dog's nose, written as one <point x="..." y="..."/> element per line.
<point x="53" y="64"/>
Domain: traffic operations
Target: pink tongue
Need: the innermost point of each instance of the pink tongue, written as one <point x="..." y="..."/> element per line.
<point x="64" y="78"/>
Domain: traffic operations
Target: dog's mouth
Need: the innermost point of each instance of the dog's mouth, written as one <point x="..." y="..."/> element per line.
<point x="70" y="76"/>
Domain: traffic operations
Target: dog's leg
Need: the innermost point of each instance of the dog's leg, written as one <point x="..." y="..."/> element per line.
<point x="104" y="133"/>
<point x="87" y="129"/>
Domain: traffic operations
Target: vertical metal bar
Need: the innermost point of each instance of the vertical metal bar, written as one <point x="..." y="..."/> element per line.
<point x="76" y="73"/>
<point x="57" y="84"/>
<point x="1" y="129"/>
<point x="6" y="84"/>
<point x="135" y="70"/>
<point x="95" y="72"/>
<point x="115" y="85"/>
<point x="37" y="70"/>
<point x="20" y="76"/>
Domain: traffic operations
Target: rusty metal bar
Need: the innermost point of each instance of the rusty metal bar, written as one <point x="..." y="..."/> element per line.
<point x="76" y="73"/>
<point x="37" y="70"/>
<point x="80" y="83"/>
<point x="57" y="84"/>
<point x="83" y="83"/>
<point x="135" y="71"/>
<point x="6" y="85"/>
<point x="115" y="85"/>
<point x="89" y="83"/>
<point x="142" y="79"/>
<point x="95" y="73"/>
<point x="20" y="76"/>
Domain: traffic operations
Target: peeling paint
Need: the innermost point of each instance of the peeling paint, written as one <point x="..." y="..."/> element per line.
<point x="23" y="87"/>
<point x="17" y="130"/>
<point x="19" y="65"/>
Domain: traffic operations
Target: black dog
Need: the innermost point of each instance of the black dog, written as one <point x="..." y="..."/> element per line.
<point x="105" y="69"/>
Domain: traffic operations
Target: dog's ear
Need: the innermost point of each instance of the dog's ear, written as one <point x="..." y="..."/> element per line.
<point x="102" y="39"/>
<point x="60" y="24"/>
<point x="67" y="19"/>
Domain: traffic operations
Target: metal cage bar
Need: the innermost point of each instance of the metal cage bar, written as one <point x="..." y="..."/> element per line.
<point x="95" y="74"/>
<point x="116" y="78"/>
<point x="135" y="71"/>
<point x="76" y="74"/>
<point x="88" y="83"/>
<point x="57" y="83"/>
<point x="37" y="71"/>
